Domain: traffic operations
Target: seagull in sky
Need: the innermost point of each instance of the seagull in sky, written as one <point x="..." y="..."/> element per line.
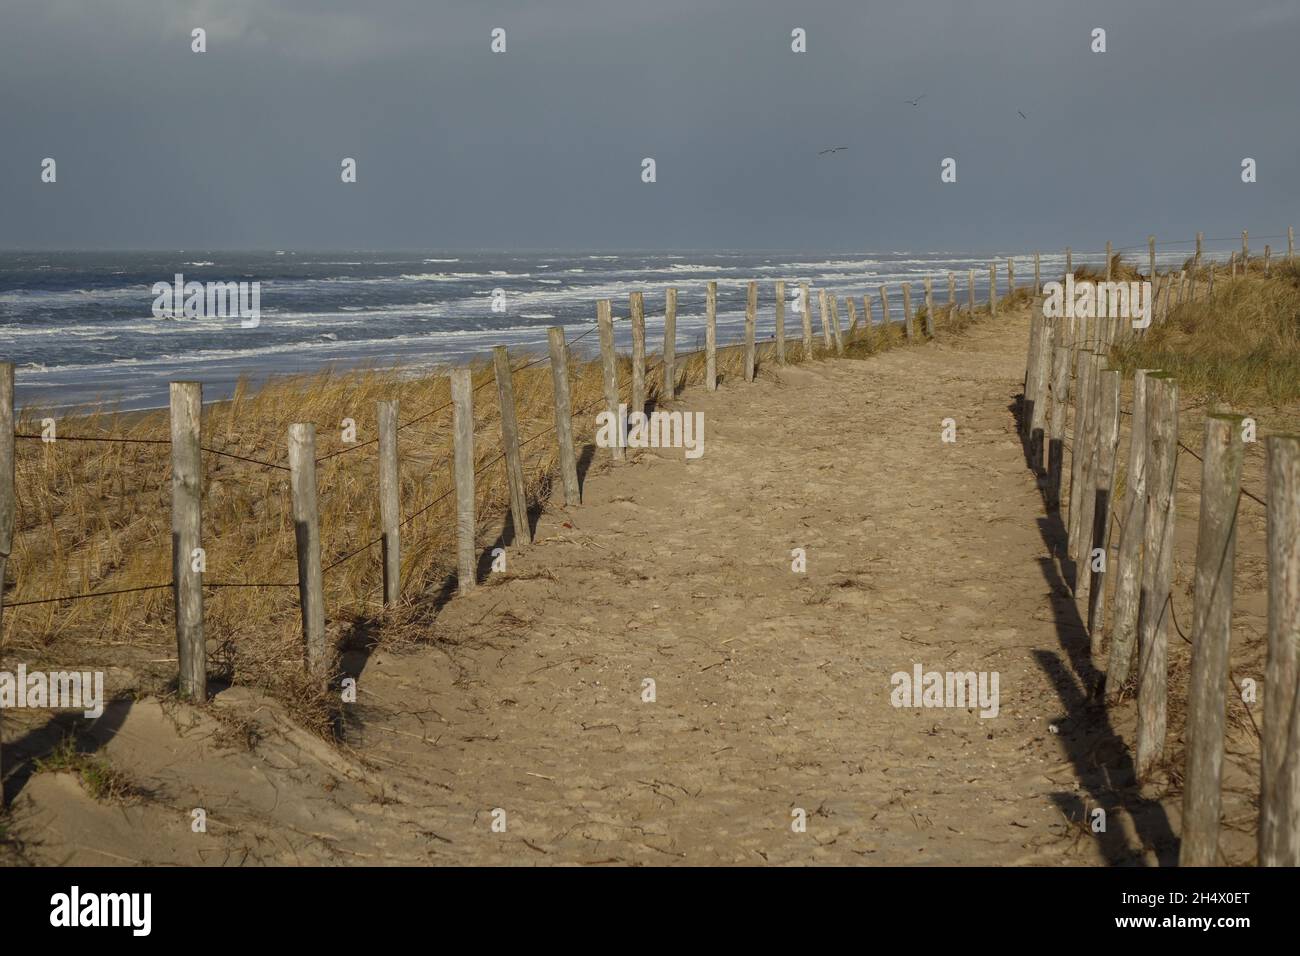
<point x="917" y="100"/>
<point x="831" y="149"/>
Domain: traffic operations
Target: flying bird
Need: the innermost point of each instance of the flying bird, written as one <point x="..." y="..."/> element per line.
<point x="1022" y="115"/>
<point x="831" y="149"/>
<point x="917" y="100"/>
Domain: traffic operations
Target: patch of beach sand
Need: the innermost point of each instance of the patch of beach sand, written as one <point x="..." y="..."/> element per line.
<point x="772" y="688"/>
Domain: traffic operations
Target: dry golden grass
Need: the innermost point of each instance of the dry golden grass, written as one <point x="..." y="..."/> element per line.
<point x="1240" y="347"/>
<point x="94" y="516"/>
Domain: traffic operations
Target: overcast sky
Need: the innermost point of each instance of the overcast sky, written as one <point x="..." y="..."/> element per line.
<point x="541" y="147"/>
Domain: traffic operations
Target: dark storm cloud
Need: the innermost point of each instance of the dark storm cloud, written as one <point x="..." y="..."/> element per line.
<point x="159" y="147"/>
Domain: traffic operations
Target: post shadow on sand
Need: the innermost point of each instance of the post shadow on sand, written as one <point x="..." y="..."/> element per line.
<point x="90" y="734"/>
<point x="1101" y="759"/>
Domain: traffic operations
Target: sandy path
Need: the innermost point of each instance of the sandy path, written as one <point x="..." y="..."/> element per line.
<point x="772" y="688"/>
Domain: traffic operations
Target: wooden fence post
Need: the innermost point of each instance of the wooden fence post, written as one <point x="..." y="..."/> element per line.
<point x="1090" y="454"/>
<point x="510" y="441"/>
<point x="564" y="402"/>
<point x="1123" y="629"/>
<point x="805" y="307"/>
<point x="868" y="330"/>
<point x="1290" y="243"/>
<point x="1082" y="380"/>
<point x="462" y="416"/>
<point x="1104" y="490"/>
<point x="1151" y="258"/>
<point x="8" y="500"/>
<point x="1036" y="331"/>
<point x="636" y="312"/>
<point x="1038" y="388"/>
<point x="670" y="346"/>
<point x="710" y="337"/>
<point x="929" y="307"/>
<point x="884" y="310"/>
<point x="1157" y="570"/>
<point x="952" y="293"/>
<point x="1196" y="260"/>
<point x="1268" y="255"/>
<point x="306" y="526"/>
<point x="1108" y="261"/>
<point x="751" y="319"/>
<point x="1245" y="251"/>
<point x="1062" y="351"/>
<point x="833" y="303"/>
<point x="1279" y="779"/>
<point x="908" y="331"/>
<point x="1038" y="275"/>
<point x="993" y="289"/>
<point x="1232" y="264"/>
<point x="780" y="322"/>
<point x="1209" y="285"/>
<point x="187" y="532"/>
<point x="853" y="318"/>
<point x="390" y="505"/>
<point x="823" y="306"/>
<point x="1011" y="277"/>
<point x="1216" y="546"/>
<point x="970" y="292"/>
<point x="1069" y="262"/>
<point x="609" y="376"/>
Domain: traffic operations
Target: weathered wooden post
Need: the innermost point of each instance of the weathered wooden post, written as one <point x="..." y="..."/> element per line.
<point x="1209" y="285"/>
<point x="188" y="559"/>
<point x="510" y="440"/>
<point x="1232" y="265"/>
<point x="751" y="320"/>
<point x="837" y="336"/>
<point x="1090" y="453"/>
<point x="670" y="346"/>
<point x="306" y="526"/>
<point x="710" y="337"/>
<point x="1062" y="350"/>
<point x="564" y="402"/>
<point x="907" y="312"/>
<point x="952" y="293"/>
<point x="1123" y="629"/>
<point x="1279" y="779"/>
<point x="1290" y="243"/>
<point x="390" y="505"/>
<point x="1069" y="262"/>
<point x="636" y="313"/>
<point x="1039" y="386"/>
<point x="824" y="306"/>
<point x="1104" y="490"/>
<point x="1036" y="332"/>
<point x="993" y="289"/>
<point x="1196" y="260"/>
<point x="609" y="376"/>
<point x="1216" y="546"/>
<point x="970" y="292"/>
<point x="1245" y="252"/>
<point x="1109" y="264"/>
<point x="8" y="500"/>
<point x="853" y="318"/>
<point x="1078" y="446"/>
<point x="805" y="308"/>
<point x="1151" y="258"/>
<point x="868" y="330"/>
<point x="929" y="307"/>
<point x="1038" y="275"/>
<point x="1268" y="255"/>
<point x="1157" y="570"/>
<point x="884" y="310"/>
<point x="1011" y="277"/>
<point x="780" y="322"/>
<point x="462" y="425"/>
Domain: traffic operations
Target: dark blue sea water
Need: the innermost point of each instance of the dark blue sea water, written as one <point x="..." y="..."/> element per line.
<point x="80" y="329"/>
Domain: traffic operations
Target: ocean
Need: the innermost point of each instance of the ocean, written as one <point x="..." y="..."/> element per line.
<point x="80" y="329"/>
